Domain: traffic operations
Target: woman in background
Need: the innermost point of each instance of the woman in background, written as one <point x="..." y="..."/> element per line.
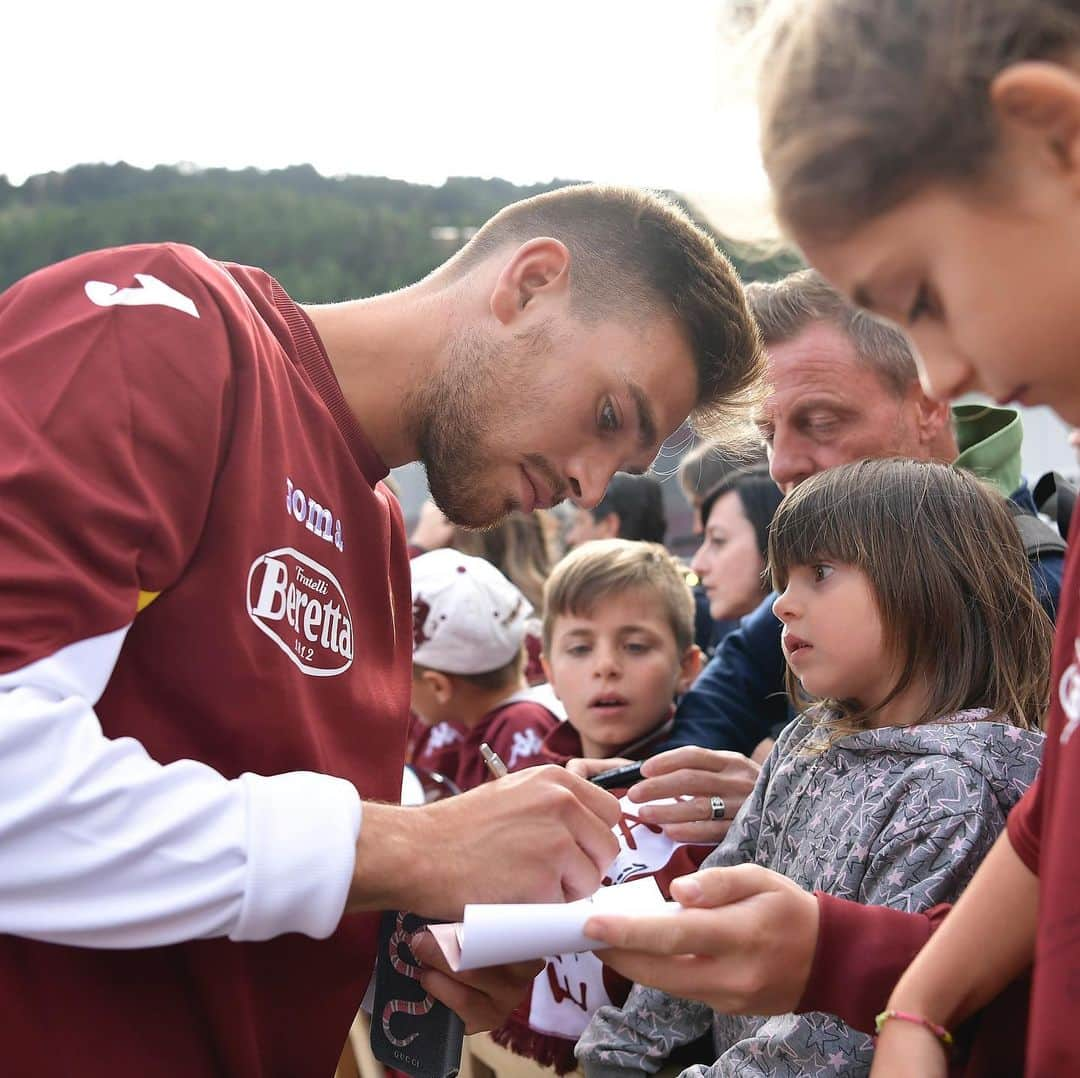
<point x="730" y="563"/>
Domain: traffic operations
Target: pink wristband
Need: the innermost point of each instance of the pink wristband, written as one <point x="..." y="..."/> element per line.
<point x="940" y="1032"/>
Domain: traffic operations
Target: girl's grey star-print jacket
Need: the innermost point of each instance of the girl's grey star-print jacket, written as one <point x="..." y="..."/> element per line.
<point x="899" y="816"/>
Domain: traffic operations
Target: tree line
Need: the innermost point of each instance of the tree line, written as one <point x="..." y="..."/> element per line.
<point x="324" y="238"/>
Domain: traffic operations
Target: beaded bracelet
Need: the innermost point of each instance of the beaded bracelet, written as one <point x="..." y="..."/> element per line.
<point x="940" y="1032"/>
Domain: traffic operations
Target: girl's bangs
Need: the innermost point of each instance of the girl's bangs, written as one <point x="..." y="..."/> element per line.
<point x="813" y="527"/>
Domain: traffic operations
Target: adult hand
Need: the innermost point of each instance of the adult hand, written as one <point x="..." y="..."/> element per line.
<point x="904" y="1048"/>
<point x="539" y="835"/>
<point x="482" y="998"/>
<point x="743" y="943"/>
<point x="702" y="774"/>
<point x="433" y="530"/>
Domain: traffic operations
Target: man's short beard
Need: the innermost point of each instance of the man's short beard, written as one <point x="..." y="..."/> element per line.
<point x="449" y="412"/>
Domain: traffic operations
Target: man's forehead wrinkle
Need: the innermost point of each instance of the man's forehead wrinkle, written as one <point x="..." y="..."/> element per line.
<point x="806" y="406"/>
<point x="805" y="360"/>
<point x="830" y="379"/>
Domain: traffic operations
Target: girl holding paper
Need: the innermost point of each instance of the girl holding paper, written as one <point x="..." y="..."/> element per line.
<point x="920" y="734"/>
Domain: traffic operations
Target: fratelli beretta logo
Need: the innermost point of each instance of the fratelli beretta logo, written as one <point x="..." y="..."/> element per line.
<point x="300" y="605"/>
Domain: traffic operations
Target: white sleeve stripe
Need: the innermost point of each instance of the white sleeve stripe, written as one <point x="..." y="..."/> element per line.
<point x="101" y="846"/>
<point x="80" y="669"/>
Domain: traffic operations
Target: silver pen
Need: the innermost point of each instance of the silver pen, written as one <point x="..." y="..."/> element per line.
<point x="491" y="758"/>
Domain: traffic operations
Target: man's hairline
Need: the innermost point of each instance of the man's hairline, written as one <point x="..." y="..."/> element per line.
<point x="884" y="379"/>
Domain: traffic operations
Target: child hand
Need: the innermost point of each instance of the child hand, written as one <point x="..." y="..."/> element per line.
<point x="743" y="943"/>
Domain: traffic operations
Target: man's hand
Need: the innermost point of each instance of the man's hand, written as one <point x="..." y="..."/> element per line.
<point x="743" y="943"/>
<point x="482" y="998"/>
<point x="540" y="835"/>
<point x="702" y="774"/>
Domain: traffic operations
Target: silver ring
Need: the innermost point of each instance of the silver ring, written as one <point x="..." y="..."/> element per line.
<point x="717" y="808"/>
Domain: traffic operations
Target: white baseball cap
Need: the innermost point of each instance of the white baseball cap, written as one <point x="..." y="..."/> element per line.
<point x="467" y="617"/>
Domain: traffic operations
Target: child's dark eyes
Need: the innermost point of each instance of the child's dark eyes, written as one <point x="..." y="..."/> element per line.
<point x="637" y="648"/>
<point x="821" y="572"/>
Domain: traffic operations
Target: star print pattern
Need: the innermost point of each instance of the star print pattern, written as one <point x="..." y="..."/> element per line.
<point x="897" y="817"/>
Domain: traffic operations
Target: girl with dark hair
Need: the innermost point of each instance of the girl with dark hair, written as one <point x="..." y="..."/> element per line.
<point x="915" y="640"/>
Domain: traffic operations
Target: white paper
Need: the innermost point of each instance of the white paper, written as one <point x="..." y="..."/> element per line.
<point x="492" y="935"/>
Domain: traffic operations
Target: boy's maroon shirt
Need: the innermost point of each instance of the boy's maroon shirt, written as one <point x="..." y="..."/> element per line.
<point x="167" y="462"/>
<point x="564" y="743"/>
<point x="515" y="731"/>
<point x="434" y="748"/>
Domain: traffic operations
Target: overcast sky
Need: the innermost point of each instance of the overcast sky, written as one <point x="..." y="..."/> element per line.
<point x="626" y="91"/>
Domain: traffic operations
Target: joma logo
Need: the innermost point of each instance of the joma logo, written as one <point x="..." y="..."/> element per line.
<point x="316" y="518"/>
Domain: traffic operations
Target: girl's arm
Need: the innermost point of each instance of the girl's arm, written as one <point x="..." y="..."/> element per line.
<point x="986" y="941"/>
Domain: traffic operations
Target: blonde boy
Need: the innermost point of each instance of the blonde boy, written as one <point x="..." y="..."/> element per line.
<point x="618" y="647"/>
<point x="469" y="625"/>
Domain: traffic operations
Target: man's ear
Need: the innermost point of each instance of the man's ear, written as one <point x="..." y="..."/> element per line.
<point x="1042" y="98"/>
<point x="933" y="419"/>
<point x="689" y="668"/>
<point x="540" y="267"/>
